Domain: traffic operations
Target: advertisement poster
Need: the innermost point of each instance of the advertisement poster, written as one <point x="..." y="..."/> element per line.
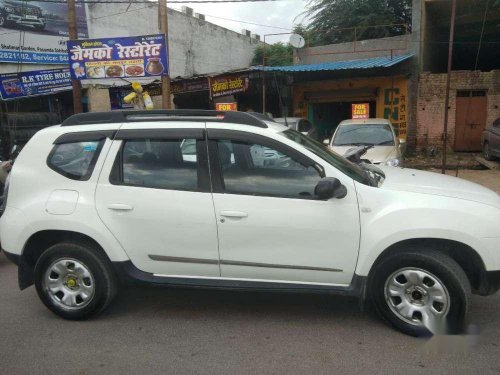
<point x="360" y="111"/>
<point x="138" y="56"/>
<point x="40" y="82"/>
<point x="226" y="107"/>
<point x="228" y="85"/>
<point x="37" y="31"/>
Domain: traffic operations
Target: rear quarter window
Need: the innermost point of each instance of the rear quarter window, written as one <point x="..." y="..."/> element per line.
<point x="75" y="160"/>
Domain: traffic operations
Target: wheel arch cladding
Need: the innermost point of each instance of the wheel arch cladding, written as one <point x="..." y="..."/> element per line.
<point x="466" y="257"/>
<point x="43" y="240"/>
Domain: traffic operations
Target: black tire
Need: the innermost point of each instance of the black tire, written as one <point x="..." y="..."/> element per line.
<point x="104" y="280"/>
<point x="439" y="265"/>
<point x="3" y="19"/>
<point x="486" y="152"/>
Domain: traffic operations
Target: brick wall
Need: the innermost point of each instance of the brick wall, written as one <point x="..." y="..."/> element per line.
<point x="431" y="97"/>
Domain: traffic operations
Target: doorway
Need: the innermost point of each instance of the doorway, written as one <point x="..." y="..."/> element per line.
<point x="327" y="116"/>
<point x="470" y="119"/>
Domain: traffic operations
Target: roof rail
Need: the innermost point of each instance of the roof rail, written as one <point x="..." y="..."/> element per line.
<point x="242" y="118"/>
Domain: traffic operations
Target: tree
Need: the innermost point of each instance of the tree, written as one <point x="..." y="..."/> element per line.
<point x="333" y="21"/>
<point x="277" y="54"/>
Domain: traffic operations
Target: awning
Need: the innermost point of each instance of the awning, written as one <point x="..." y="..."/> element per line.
<point x="375" y="62"/>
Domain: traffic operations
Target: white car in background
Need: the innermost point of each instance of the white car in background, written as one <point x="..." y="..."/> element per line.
<point x="296" y="123"/>
<point x="387" y="148"/>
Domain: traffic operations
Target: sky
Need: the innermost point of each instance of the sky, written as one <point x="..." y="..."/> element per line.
<point x="278" y="16"/>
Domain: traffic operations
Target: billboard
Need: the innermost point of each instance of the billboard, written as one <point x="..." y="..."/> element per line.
<point x="128" y="57"/>
<point x="35" y="32"/>
<point x="39" y="82"/>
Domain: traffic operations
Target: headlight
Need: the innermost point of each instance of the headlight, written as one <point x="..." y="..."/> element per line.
<point x="9" y="9"/>
<point x="392" y="162"/>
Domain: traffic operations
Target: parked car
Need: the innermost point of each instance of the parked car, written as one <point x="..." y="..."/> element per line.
<point x="107" y="199"/>
<point x="296" y="123"/>
<point x="17" y="12"/>
<point x="387" y="148"/>
<point x="491" y="141"/>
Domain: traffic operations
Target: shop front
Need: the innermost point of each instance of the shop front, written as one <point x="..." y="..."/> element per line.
<point x="327" y="103"/>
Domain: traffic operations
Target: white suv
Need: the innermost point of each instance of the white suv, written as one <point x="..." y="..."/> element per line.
<point x="109" y="198"/>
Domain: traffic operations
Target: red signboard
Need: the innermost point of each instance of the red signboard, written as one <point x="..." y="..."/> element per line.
<point x="361" y="111"/>
<point x="226" y="106"/>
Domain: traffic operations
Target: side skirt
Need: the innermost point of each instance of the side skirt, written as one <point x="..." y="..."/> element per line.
<point x="131" y="275"/>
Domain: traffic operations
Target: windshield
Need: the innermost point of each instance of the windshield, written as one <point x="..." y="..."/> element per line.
<point x="364" y="134"/>
<point x="350" y="169"/>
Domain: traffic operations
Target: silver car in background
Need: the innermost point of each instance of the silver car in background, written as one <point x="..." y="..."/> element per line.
<point x="491" y="141"/>
<point x="387" y="148"/>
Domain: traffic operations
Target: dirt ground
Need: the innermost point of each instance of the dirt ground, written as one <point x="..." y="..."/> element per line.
<point x="488" y="178"/>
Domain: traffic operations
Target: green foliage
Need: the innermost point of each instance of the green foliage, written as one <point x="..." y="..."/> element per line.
<point x="332" y="21"/>
<point x="277" y="54"/>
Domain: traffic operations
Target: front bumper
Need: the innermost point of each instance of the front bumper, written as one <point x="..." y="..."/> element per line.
<point x="490" y="283"/>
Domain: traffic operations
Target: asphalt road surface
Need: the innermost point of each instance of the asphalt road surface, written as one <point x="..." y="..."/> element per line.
<point x="175" y="331"/>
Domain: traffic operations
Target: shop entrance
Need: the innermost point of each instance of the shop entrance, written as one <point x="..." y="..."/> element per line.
<point x="327" y="116"/>
<point x="471" y="114"/>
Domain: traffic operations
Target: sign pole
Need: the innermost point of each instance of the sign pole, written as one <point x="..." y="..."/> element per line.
<point x="447" y="95"/>
<point x="165" y="79"/>
<point x="73" y="35"/>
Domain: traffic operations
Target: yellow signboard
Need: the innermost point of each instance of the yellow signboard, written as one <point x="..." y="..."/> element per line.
<point x="360" y="111"/>
<point x="226" y="107"/>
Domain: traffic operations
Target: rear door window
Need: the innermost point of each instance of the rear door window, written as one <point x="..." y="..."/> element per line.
<point x="158" y="163"/>
<point x="75" y="160"/>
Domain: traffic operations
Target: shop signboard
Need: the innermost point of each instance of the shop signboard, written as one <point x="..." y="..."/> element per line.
<point x="128" y="57"/>
<point x="228" y="85"/>
<point x="226" y="107"/>
<point x="37" y="31"/>
<point x="360" y="111"/>
<point x="189" y="86"/>
<point x="39" y="82"/>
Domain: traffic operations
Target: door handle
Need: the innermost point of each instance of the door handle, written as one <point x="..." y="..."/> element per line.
<point x="234" y="214"/>
<point x="120" y="207"/>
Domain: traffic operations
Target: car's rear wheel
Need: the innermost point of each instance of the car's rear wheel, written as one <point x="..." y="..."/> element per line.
<point x="421" y="292"/>
<point x="74" y="281"/>
<point x="487" y="152"/>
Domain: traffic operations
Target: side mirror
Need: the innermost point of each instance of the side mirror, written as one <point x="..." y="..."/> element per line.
<point x="326" y="142"/>
<point x="330" y="187"/>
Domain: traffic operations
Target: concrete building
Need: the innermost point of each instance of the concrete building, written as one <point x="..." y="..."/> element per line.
<point x="196" y="47"/>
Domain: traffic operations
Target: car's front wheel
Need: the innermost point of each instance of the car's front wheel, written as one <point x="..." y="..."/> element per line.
<point x="420" y="292"/>
<point x="487" y="152"/>
<point x="74" y="281"/>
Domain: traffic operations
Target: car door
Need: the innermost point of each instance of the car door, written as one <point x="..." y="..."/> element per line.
<point x="154" y="196"/>
<point x="271" y="227"/>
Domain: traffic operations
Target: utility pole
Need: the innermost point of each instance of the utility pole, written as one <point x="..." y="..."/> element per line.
<point x="73" y="34"/>
<point x="447" y="95"/>
<point x="165" y="79"/>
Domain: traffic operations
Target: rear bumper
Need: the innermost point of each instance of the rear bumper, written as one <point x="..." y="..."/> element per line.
<point x="14" y="258"/>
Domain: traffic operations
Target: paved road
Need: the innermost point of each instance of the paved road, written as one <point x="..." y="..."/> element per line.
<point x="161" y="331"/>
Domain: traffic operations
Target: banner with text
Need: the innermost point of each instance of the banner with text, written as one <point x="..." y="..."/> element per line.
<point x="37" y="31"/>
<point x="128" y="57"/>
<point x="226" y="107"/>
<point x="40" y="82"/>
<point x="228" y="85"/>
<point x="182" y="87"/>
<point x="360" y="111"/>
